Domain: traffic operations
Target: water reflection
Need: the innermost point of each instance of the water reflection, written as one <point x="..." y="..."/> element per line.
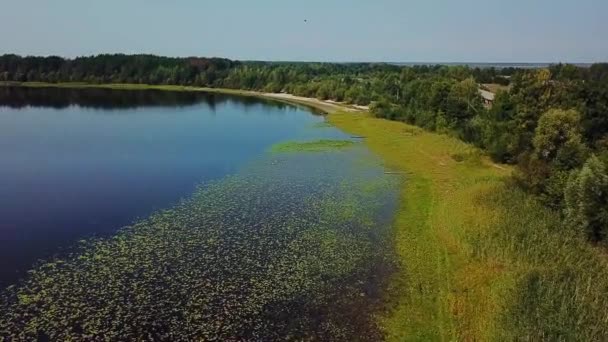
<point x="76" y="163"/>
<point x="101" y="98"/>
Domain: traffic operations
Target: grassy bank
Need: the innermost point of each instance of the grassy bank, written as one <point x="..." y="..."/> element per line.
<point x="442" y="293"/>
<point x="480" y="260"/>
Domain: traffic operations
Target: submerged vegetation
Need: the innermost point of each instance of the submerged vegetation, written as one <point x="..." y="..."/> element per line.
<point x="322" y="145"/>
<point x="300" y="251"/>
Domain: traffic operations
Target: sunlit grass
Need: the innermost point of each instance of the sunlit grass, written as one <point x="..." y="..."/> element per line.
<point x="480" y="260"/>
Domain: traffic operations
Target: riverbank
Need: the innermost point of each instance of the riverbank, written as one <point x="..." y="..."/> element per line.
<point x="325" y="106"/>
<point x="442" y="293"/>
<point x="480" y="260"/>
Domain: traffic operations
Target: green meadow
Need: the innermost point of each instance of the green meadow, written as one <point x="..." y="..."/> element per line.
<point x="479" y="259"/>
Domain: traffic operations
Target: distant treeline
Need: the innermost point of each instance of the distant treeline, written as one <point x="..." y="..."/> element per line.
<point x="551" y="122"/>
<point x="348" y="81"/>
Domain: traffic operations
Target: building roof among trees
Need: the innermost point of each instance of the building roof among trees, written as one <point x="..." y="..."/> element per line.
<point x="488" y="96"/>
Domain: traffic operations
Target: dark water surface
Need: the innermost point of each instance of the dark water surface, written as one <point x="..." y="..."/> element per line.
<point x="223" y="238"/>
<point x="76" y="163"/>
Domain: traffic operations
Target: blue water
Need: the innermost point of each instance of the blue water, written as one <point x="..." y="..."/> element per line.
<point x="76" y="164"/>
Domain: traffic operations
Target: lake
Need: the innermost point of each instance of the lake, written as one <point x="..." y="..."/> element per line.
<point x="183" y="216"/>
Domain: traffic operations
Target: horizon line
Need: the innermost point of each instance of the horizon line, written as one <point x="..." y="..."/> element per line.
<point x="419" y="62"/>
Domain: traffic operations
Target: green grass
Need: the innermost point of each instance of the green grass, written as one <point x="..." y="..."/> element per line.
<point x="480" y="260"/>
<point x="323" y="145"/>
<point x="434" y="297"/>
<point x="560" y="281"/>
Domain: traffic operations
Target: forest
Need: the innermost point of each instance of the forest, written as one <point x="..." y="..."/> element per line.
<point x="551" y="123"/>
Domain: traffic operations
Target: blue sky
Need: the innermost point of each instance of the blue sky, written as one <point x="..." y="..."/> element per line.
<point x="337" y="30"/>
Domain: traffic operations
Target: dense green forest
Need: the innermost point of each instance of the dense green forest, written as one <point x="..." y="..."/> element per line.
<point x="552" y="123"/>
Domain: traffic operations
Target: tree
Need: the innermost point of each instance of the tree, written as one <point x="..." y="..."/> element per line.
<point x="595" y="118"/>
<point x="558" y="149"/>
<point x="384" y="109"/>
<point x="497" y="131"/>
<point x="463" y="102"/>
<point x="558" y="138"/>
<point x="586" y="198"/>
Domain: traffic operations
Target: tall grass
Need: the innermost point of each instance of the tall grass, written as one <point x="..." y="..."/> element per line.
<point x="561" y="281"/>
<point x="480" y="260"/>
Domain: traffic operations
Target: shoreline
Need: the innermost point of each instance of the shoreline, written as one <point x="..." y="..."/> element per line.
<point x="421" y="298"/>
<point x="441" y="292"/>
<point x="326" y="106"/>
<point x="475" y="252"/>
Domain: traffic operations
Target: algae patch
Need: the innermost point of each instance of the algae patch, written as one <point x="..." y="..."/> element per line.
<point x="322" y="124"/>
<point x="323" y="145"/>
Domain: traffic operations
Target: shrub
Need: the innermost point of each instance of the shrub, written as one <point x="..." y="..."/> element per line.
<point x="586" y="198"/>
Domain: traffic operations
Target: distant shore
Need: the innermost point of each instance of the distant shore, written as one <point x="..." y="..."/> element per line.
<point x="326" y="106"/>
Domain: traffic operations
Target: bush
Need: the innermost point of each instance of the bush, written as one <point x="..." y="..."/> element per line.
<point x="586" y="198"/>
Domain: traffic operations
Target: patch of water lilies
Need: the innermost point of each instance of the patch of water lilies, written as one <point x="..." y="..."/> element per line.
<point x="322" y="145"/>
<point x="294" y="247"/>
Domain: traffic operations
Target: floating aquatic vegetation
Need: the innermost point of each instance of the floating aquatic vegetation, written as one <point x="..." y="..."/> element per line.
<point x="323" y="145"/>
<point x="294" y="247"/>
<point x="323" y="124"/>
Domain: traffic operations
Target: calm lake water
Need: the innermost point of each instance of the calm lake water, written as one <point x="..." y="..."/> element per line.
<point x="77" y="163"/>
<point x="147" y="215"/>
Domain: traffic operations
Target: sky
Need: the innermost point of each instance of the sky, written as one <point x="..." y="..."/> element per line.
<point x="313" y="30"/>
